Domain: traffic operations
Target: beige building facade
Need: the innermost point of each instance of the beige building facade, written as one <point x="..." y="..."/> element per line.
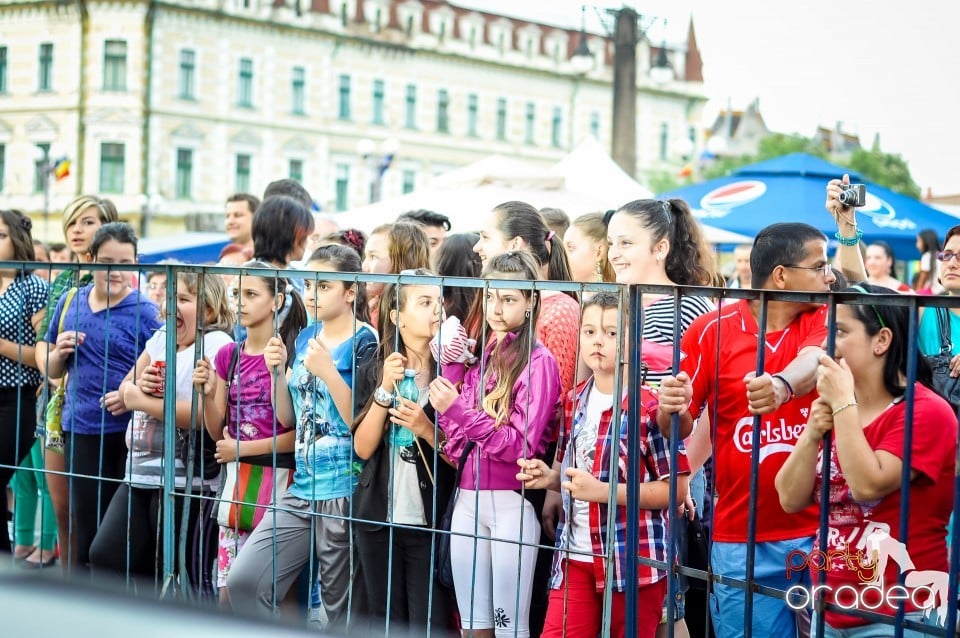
<point x="169" y="107"/>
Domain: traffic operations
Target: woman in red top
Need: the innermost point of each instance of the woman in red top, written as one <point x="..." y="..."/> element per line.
<point x="880" y="263"/>
<point x="862" y="402"/>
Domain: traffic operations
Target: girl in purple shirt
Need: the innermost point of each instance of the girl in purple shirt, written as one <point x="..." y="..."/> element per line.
<point x="504" y="406"/>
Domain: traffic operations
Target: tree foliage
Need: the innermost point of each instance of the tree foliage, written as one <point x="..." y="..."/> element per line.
<point x="886" y="169"/>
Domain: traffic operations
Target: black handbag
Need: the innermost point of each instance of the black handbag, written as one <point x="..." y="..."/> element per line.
<point x="694" y="550"/>
<point x="441" y="565"/>
<point x="947" y="386"/>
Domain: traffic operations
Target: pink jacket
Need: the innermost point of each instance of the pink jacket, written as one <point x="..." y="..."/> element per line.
<point x="536" y="395"/>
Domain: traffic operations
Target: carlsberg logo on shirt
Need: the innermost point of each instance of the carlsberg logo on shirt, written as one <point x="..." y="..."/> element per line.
<point x="775" y="436"/>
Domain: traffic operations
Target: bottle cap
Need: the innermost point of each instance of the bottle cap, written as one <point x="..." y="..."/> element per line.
<point x="409" y="372"/>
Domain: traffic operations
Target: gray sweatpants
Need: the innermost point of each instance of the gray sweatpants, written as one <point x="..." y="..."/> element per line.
<point x="281" y="546"/>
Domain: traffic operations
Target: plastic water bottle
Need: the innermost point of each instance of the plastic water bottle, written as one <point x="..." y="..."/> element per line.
<point x="407" y="388"/>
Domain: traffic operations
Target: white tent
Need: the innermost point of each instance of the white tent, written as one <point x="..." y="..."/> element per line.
<point x="586" y="181"/>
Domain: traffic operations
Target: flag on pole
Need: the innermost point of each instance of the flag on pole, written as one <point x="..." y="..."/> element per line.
<point x="61" y="168"/>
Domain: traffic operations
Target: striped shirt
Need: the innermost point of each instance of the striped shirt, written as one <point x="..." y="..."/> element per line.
<point x="658" y="321"/>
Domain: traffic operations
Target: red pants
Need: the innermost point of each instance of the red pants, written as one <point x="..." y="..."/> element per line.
<point x="576" y="609"/>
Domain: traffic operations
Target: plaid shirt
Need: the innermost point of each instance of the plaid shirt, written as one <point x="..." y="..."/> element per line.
<point x="58" y="288"/>
<point x="656" y="452"/>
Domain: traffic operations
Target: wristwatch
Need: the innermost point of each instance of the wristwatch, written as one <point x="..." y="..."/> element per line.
<point x="382" y="398"/>
<point x="442" y="446"/>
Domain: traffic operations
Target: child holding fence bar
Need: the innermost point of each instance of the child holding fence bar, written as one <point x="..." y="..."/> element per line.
<point x="252" y="442"/>
<point x="505" y="405"/>
<point x="579" y="570"/>
<point x="136" y="511"/>
<point x="314" y="387"/>
<point x="105" y="327"/>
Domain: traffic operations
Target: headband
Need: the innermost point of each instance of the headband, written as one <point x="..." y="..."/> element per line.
<point x="550" y="236"/>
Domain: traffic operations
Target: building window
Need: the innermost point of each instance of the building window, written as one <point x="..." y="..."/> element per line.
<point x="115" y="65"/>
<point x="45" y="69"/>
<point x="409" y="181"/>
<point x="111" y="168"/>
<point x="343" y="111"/>
<point x="502" y="118"/>
<point x="41" y="169"/>
<point x="295" y="170"/>
<point x="664" y="139"/>
<point x="472" y="106"/>
<point x="184" y="186"/>
<point x="187" y="72"/>
<point x="595" y="124"/>
<point x="3" y="69"/>
<point x="529" y="122"/>
<point x="411" y="109"/>
<point x="298" y="90"/>
<point x="3" y="164"/>
<point x="242" y="184"/>
<point x="378" y="90"/>
<point x="556" y="127"/>
<point x="342" y="186"/>
<point x="443" y="105"/>
<point x="245" y="83"/>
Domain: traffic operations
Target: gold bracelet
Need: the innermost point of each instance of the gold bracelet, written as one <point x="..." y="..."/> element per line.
<point x="843" y="407"/>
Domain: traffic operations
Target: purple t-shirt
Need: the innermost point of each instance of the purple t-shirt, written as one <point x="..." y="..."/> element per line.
<point x="250" y="414"/>
<point x="115" y="337"/>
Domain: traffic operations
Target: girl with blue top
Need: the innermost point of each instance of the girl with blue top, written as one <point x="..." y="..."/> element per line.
<point x="106" y="326"/>
<point x="318" y="396"/>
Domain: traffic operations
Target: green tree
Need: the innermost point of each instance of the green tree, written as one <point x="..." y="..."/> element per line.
<point x="779" y="144"/>
<point x="886" y="169"/>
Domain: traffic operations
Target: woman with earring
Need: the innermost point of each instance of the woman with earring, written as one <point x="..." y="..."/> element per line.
<point x="586" y="244"/>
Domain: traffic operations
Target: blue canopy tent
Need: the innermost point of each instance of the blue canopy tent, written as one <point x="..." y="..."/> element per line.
<point x="793" y="188"/>
<point x="189" y="248"/>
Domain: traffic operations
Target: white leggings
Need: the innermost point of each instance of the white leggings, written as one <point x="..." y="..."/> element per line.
<point x="498" y="594"/>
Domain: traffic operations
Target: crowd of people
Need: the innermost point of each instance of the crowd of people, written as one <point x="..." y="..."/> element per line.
<point x="413" y="457"/>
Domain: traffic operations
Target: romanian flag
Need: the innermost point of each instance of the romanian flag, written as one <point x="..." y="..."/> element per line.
<point x="61" y="168"/>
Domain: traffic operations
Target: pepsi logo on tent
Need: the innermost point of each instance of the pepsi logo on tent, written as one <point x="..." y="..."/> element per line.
<point x="720" y="201"/>
<point x="883" y="214"/>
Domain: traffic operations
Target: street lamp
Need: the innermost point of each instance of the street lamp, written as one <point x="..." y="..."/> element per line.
<point x="661" y="72"/>
<point x="582" y="60"/>
<point x="377" y="162"/>
<point x="46" y="158"/>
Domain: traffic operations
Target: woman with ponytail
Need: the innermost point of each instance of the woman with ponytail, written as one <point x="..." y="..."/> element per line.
<point x="659" y="242"/>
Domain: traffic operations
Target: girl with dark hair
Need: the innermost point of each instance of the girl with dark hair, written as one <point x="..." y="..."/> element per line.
<point x="515" y="226"/>
<point x="880" y="263"/>
<point x="405" y="478"/>
<point x="928" y="243"/>
<point x="23" y="297"/>
<point x="456" y="258"/>
<point x="280" y="229"/>
<point x="861" y="401"/>
<point x="504" y="407"/>
<point x="390" y="249"/>
<point x="661" y="242"/>
<point x="313" y="386"/>
<point x="237" y="409"/>
<point x="116" y="322"/>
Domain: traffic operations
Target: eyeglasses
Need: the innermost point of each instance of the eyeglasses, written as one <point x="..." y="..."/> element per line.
<point x="825" y="270"/>
<point x="947" y="256"/>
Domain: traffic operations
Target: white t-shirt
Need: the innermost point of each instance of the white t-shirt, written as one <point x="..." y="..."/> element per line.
<point x="145" y="433"/>
<point x="407" y="500"/>
<point x="585" y="445"/>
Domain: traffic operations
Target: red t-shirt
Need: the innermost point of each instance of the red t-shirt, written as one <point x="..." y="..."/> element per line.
<point x="931" y="497"/>
<point x="718" y="371"/>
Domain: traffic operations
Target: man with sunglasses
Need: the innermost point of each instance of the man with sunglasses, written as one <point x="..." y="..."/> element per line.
<point x="718" y="372"/>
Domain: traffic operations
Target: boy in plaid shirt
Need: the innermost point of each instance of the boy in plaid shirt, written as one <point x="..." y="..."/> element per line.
<point x="583" y="462"/>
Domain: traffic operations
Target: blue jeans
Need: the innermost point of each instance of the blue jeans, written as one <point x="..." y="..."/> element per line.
<point x="874" y="630"/>
<point x="771" y="616"/>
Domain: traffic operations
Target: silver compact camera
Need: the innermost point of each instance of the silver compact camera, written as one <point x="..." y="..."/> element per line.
<point x="853" y="195"/>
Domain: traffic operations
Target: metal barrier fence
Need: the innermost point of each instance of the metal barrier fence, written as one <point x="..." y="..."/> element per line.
<point x="178" y="506"/>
